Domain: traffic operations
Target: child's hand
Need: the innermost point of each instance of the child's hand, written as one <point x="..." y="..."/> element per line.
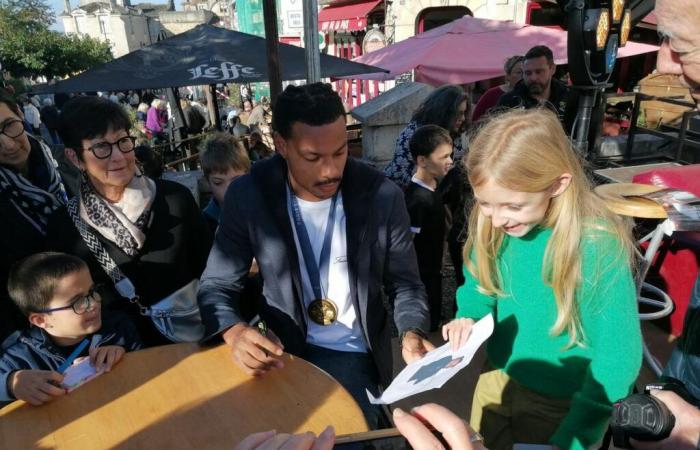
<point x="36" y="387"/>
<point x="457" y="332"/>
<point x="104" y="358"/>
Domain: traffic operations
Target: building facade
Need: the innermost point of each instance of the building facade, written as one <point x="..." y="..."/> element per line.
<point x="129" y="27"/>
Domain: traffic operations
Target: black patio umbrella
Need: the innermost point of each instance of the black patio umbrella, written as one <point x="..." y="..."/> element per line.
<point x="203" y="55"/>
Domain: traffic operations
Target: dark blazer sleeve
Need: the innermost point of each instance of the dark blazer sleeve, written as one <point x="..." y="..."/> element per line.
<point x="227" y="268"/>
<point x="401" y="279"/>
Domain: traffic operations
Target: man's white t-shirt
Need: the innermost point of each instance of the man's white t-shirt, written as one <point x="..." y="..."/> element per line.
<point x="344" y="334"/>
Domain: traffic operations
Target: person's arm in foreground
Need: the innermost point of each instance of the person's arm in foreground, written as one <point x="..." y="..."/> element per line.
<point x="685" y="434"/>
<point x="412" y="426"/>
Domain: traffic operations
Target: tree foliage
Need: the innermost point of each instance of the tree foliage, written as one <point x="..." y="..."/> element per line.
<point x="28" y="48"/>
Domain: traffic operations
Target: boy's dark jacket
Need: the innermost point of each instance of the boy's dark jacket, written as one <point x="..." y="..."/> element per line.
<point x="33" y="349"/>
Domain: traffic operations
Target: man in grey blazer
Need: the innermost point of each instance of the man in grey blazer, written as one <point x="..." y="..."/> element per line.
<point x="328" y="234"/>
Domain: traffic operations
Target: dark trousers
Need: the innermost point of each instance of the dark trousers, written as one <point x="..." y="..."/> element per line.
<point x="433" y="289"/>
<point x="356" y="372"/>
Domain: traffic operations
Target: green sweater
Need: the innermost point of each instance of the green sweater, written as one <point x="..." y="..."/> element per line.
<point x="593" y="376"/>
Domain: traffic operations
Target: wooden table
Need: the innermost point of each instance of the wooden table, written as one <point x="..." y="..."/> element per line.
<point x="182" y="397"/>
<point x="627" y="173"/>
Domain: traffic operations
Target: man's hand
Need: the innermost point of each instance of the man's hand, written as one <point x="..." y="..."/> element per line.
<point x="685" y="434"/>
<point x="453" y="429"/>
<point x="36" y="387"/>
<point x="104" y="358"/>
<point x="254" y="353"/>
<point x="269" y="440"/>
<point x="414" y="347"/>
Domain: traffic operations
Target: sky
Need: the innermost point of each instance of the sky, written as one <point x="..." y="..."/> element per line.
<point x="57" y="7"/>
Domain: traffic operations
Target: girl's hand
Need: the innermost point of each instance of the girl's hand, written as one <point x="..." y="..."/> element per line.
<point x="457" y="332"/>
<point x="104" y="358"/>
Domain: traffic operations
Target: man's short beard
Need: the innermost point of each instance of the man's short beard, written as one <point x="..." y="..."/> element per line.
<point x="539" y="88"/>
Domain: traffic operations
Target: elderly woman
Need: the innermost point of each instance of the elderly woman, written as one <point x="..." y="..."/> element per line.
<point x="30" y="189"/>
<point x="151" y="230"/>
<point x="513" y="69"/>
<point x="446" y="106"/>
<point x="157" y="119"/>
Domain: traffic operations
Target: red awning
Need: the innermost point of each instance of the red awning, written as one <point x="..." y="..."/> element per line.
<point x="347" y="17"/>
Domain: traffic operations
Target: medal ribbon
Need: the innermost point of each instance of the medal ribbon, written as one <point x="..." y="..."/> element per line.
<point x="318" y="273"/>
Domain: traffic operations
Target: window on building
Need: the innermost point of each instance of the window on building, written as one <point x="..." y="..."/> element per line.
<point x="431" y="18"/>
<point x="545" y="14"/>
<point x="105" y="27"/>
<point x="295" y="19"/>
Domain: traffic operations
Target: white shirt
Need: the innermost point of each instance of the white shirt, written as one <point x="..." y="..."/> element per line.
<point x="31" y="115"/>
<point x="344" y="334"/>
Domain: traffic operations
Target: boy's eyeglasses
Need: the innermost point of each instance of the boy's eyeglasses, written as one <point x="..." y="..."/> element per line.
<point x="12" y="128"/>
<point x="103" y="150"/>
<point x="82" y="304"/>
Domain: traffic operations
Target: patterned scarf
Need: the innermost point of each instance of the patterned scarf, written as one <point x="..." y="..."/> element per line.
<point x="124" y="223"/>
<point x="32" y="202"/>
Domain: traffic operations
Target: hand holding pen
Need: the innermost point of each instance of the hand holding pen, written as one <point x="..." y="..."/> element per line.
<point x="37" y="387"/>
<point x="255" y="349"/>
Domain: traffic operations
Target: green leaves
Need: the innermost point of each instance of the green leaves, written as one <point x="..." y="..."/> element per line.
<point x="28" y="48"/>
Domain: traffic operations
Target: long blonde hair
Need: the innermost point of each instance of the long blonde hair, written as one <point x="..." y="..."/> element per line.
<point x="527" y="151"/>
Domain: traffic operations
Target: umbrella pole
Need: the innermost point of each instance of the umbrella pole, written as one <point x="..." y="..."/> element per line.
<point x="179" y="127"/>
<point x="214" y="106"/>
<point x="272" y="38"/>
<point x="311" y="47"/>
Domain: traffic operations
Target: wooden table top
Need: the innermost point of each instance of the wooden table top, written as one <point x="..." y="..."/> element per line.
<point x="624" y="199"/>
<point x="182" y="396"/>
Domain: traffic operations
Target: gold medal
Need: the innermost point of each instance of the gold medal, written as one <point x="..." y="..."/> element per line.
<point x="323" y="311"/>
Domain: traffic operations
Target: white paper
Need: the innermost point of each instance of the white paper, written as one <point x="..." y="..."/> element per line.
<point x="78" y="374"/>
<point x="436" y="367"/>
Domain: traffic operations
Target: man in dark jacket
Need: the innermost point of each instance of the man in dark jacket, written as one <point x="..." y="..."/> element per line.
<point x="328" y="233"/>
<point x="679" y="55"/>
<point x="538" y="86"/>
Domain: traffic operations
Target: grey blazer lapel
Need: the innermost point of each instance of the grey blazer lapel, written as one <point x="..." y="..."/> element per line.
<point x="271" y="176"/>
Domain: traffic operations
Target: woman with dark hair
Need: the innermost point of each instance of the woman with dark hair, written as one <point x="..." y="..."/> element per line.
<point x="145" y="239"/>
<point x="31" y="188"/>
<point x="447" y="106"/>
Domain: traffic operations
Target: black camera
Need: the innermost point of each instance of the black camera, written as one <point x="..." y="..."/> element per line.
<point x="644" y="417"/>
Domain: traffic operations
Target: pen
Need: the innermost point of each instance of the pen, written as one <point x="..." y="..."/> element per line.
<point x="262" y="327"/>
<point x="78" y="350"/>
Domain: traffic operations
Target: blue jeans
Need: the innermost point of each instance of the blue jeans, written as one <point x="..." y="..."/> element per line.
<point x="356" y="372"/>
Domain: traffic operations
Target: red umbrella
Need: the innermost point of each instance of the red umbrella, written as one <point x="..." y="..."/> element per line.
<point x="470" y="49"/>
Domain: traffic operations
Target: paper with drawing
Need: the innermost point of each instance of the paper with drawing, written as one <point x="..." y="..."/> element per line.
<point x="436" y="367"/>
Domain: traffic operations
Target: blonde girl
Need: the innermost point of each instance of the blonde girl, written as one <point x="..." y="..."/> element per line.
<point x="552" y="264"/>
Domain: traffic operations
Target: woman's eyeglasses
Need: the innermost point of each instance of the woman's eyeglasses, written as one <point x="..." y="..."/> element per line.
<point x="103" y="150"/>
<point x="12" y="128"/>
<point x="81" y="305"/>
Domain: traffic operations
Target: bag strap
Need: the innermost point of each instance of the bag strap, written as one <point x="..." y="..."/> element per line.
<point x="122" y="283"/>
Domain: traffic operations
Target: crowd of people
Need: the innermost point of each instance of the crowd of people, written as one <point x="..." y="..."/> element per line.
<point x="331" y="254"/>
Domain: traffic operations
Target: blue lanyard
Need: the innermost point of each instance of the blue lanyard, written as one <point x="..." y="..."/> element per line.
<point x="318" y="273"/>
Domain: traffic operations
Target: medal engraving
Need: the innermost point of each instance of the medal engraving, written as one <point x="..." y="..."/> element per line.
<point x="323" y="311"/>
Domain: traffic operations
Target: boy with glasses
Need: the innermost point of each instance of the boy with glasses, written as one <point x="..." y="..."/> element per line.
<point x="56" y="293"/>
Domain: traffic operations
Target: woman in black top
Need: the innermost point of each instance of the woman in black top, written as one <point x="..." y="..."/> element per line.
<point x="30" y="189"/>
<point x="152" y="229"/>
